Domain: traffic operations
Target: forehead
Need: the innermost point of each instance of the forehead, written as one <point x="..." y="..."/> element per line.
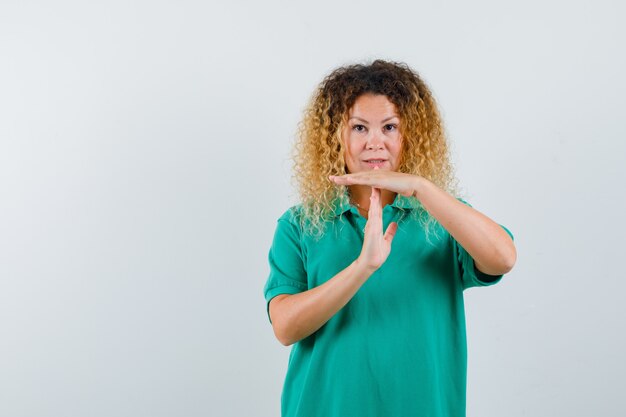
<point x="372" y="104"/>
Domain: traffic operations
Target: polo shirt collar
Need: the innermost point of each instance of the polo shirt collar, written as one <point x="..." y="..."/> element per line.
<point x="400" y="202"/>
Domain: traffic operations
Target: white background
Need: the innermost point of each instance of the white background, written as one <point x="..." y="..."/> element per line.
<point x="144" y="161"/>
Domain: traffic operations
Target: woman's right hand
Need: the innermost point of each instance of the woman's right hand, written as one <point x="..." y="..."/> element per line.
<point x="376" y="246"/>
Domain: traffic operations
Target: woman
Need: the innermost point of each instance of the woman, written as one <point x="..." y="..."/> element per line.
<point x="371" y="304"/>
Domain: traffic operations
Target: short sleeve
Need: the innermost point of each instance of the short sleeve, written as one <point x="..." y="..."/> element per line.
<point x="470" y="275"/>
<point x="287" y="272"/>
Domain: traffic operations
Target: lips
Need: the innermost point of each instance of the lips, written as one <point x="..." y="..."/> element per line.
<point x="373" y="163"/>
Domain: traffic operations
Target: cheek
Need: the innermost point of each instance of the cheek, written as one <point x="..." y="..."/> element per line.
<point x="397" y="149"/>
<point x="351" y="158"/>
<point x="351" y="151"/>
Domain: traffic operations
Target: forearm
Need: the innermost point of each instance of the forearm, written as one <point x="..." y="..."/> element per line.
<point x="299" y="315"/>
<point x="489" y="244"/>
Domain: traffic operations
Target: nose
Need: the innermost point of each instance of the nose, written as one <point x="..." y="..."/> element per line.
<point x="375" y="140"/>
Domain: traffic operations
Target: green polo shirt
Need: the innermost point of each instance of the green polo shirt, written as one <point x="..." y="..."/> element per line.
<point x="398" y="348"/>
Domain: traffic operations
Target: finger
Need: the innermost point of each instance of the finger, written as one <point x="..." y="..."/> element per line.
<point x="360" y="178"/>
<point x="370" y="211"/>
<point x="391" y="232"/>
<point x="375" y="209"/>
<point x="346" y="179"/>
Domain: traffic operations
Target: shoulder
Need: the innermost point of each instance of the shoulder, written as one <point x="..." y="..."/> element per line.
<point x="290" y="222"/>
<point x="292" y="214"/>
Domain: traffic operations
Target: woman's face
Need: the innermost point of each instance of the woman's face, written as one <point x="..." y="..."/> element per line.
<point x="371" y="136"/>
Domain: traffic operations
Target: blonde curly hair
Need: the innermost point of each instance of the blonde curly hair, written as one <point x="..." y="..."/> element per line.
<point x="319" y="149"/>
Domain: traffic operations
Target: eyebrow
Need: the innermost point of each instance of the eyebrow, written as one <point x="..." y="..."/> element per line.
<point x="365" y="121"/>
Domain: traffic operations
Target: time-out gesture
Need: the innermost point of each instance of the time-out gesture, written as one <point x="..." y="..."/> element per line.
<point x="398" y="182"/>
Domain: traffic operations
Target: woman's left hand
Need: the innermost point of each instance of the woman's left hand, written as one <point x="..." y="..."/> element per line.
<point x="398" y="182"/>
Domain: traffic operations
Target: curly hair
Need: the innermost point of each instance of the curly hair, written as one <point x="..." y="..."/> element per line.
<point x="319" y="149"/>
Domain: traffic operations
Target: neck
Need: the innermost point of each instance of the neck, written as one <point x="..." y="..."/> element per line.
<point x="360" y="194"/>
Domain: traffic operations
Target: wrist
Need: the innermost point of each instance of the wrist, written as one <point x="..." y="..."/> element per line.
<point x="418" y="186"/>
<point x="362" y="268"/>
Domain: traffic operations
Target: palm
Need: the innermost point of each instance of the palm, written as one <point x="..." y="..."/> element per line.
<point x="376" y="245"/>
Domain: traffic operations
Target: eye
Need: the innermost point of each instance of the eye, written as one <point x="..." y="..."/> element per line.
<point x="391" y="127"/>
<point x="358" y="128"/>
